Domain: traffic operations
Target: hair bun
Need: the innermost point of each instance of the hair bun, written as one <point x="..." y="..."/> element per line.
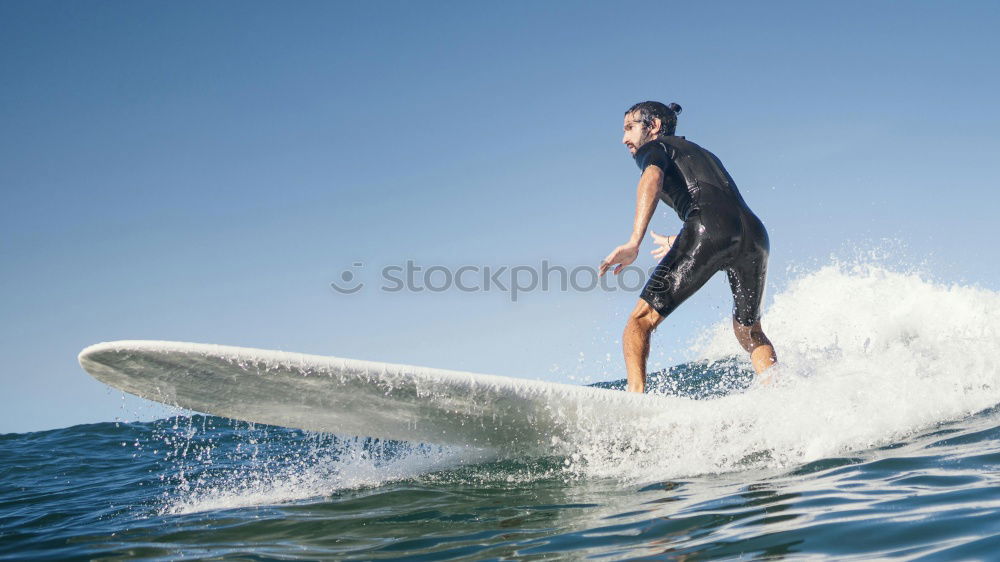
<point x="676" y="108"/>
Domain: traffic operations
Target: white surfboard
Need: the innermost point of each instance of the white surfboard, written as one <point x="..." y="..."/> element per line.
<point x="364" y="398"/>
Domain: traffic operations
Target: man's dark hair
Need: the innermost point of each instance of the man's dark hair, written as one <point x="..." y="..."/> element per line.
<point x="667" y="114"/>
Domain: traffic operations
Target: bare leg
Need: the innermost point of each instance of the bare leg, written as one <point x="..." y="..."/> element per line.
<point x="635" y="343"/>
<point x="753" y="339"/>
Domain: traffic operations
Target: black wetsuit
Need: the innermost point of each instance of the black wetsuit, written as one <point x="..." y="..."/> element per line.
<point x="720" y="232"/>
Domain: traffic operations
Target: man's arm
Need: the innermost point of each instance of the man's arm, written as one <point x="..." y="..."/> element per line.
<point x="647" y="196"/>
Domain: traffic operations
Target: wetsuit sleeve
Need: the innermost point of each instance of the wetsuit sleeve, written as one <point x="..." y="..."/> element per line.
<point x="653" y="153"/>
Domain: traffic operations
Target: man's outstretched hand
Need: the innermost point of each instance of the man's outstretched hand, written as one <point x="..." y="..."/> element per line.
<point x="621" y="256"/>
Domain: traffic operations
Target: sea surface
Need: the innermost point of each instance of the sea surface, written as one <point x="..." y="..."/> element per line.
<point x="880" y="438"/>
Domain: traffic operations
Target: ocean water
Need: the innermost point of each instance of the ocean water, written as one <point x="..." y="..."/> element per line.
<point x="880" y="438"/>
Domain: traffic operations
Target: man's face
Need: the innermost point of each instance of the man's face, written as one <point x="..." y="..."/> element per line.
<point x="636" y="134"/>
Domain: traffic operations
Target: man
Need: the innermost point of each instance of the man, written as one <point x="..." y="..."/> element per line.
<point x="719" y="233"/>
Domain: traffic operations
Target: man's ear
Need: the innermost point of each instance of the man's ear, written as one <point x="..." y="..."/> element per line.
<point x="657" y="124"/>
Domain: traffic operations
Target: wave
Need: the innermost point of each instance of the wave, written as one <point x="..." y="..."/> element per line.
<point x="868" y="355"/>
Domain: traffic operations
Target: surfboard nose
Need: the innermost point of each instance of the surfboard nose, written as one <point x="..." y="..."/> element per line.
<point x="97" y="360"/>
<point x="110" y="363"/>
<point x="89" y="354"/>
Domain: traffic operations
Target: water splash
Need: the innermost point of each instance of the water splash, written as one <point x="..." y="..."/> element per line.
<point x="868" y="355"/>
<point x="215" y="463"/>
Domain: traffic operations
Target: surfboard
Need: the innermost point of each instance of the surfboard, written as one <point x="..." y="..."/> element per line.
<point x="364" y="398"/>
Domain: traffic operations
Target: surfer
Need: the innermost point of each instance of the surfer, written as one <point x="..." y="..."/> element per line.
<point x="720" y="233"/>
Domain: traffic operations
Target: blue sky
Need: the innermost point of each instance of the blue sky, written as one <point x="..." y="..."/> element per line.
<point x="202" y="171"/>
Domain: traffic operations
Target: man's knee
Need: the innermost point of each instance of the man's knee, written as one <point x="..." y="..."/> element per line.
<point x="644" y="317"/>
<point x="750" y="337"/>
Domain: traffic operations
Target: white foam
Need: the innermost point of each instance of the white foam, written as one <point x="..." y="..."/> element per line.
<point x="313" y="475"/>
<point x="867" y="355"/>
